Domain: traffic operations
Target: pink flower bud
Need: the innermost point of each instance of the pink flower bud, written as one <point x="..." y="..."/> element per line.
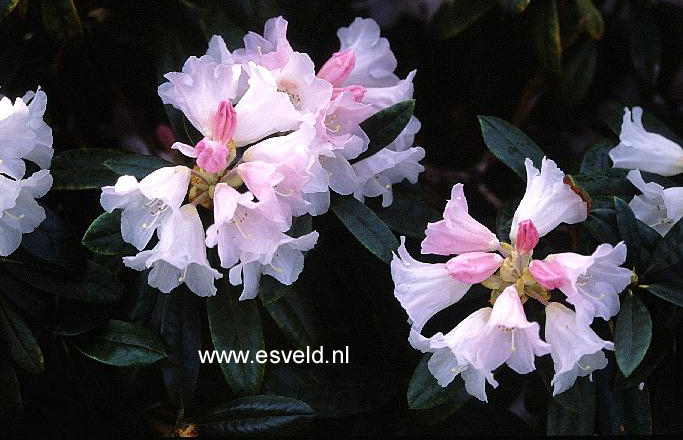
<point x="548" y="274"/>
<point x="212" y="155"/>
<point x="224" y="122"/>
<point x="338" y="68"/>
<point x="357" y="91"/>
<point x="527" y="237"/>
<point x="473" y="267"/>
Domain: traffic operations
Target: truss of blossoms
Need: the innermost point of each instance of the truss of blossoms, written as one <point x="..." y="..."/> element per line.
<point x="276" y="138"/>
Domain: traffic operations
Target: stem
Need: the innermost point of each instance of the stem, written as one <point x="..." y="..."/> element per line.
<point x="201" y="198"/>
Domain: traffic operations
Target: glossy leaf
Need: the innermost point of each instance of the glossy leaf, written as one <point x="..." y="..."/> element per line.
<point x="611" y="182"/>
<point x="425" y="392"/>
<point x="236" y="325"/>
<point x="293" y="314"/>
<point x="366" y="226"/>
<point x="122" y="344"/>
<point x="509" y="144"/>
<point x="668" y="292"/>
<point x="596" y="157"/>
<point x="629" y="231"/>
<point x="137" y="165"/>
<point x="53" y="242"/>
<point x="384" y="126"/>
<point x="621" y="412"/>
<point x="546" y="35"/>
<point x="22" y="345"/>
<point x="409" y="213"/>
<point x="633" y="334"/>
<point x="504" y="219"/>
<point x="104" y="235"/>
<point x="577" y="421"/>
<point x="454" y="16"/>
<point x="256" y="416"/>
<point x="578" y="74"/>
<point x="83" y="168"/>
<point x="669" y="250"/>
<point x="591" y="19"/>
<point x="602" y="224"/>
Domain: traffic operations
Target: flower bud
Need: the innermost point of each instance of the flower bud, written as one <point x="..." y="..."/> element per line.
<point x="548" y="274"/>
<point x="338" y="68"/>
<point x="212" y="156"/>
<point x="527" y="237"/>
<point x="357" y="91"/>
<point x="473" y="267"/>
<point x="224" y="122"/>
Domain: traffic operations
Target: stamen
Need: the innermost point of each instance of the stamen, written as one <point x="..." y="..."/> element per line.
<point x="20" y="217"/>
<point x="588" y="368"/>
<point x="182" y="277"/>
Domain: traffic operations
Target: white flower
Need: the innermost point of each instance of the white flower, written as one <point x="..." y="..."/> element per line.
<point x="548" y="201"/>
<point x="179" y="257"/>
<point x="423" y="289"/>
<point x="308" y="93"/>
<point x="23" y="134"/>
<point x="272" y="50"/>
<point x="657" y="207"/>
<point x="575" y="348"/>
<point x="19" y="211"/>
<point x="644" y="150"/>
<point x="148" y="204"/>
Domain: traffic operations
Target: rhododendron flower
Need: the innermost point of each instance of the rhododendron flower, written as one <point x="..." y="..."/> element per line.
<point x="644" y="150"/>
<point x="491" y="337"/>
<point x="657" y="207"/>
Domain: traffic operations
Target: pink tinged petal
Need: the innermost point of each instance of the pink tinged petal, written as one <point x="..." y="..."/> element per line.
<point x="338" y="68"/>
<point x="548" y="274"/>
<point x="224" y="122"/>
<point x="527" y="237"/>
<point x="212" y="156"/>
<point x="473" y="267"/>
<point x="458" y="233"/>
<point x="357" y="91"/>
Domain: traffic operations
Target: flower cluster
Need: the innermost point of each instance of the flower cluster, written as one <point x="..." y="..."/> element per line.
<point x="24" y="136"/>
<point x="492" y="336"/>
<point x="276" y="138"/>
<point x="638" y="149"/>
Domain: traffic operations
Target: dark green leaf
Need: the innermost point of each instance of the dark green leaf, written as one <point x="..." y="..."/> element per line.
<point x="104" y="235"/>
<point x="96" y="285"/>
<point x="52" y="242"/>
<point x="611" y="182"/>
<point x="504" y="219"/>
<point x="602" y="223"/>
<point x="621" y="412"/>
<point x="11" y="405"/>
<point x="646" y="45"/>
<point x="546" y="35"/>
<point x="669" y="250"/>
<point x="513" y="6"/>
<point x="578" y="74"/>
<point x="23" y="347"/>
<point x="366" y="226"/>
<point x="137" y="165"/>
<point x="454" y="16"/>
<point x="61" y="21"/>
<point x="236" y="325"/>
<point x="25" y="297"/>
<point x="628" y="229"/>
<point x="597" y="156"/>
<point x="649" y="239"/>
<point x="509" y="144"/>
<point x="122" y="344"/>
<point x="409" y="213"/>
<point x="177" y="319"/>
<point x="668" y="292"/>
<point x="83" y="168"/>
<point x="633" y="334"/>
<point x="579" y="421"/>
<point x="385" y="126"/>
<point x="612" y="114"/>
<point x="301" y="225"/>
<point x="7" y="6"/>
<point x="425" y="392"/>
<point x="256" y="416"/>
<point x="662" y="344"/>
<point x="295" y="316"/>
<point x="591" y="19"/>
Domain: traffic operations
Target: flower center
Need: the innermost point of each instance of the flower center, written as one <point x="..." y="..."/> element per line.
<point x="291" y="89"/>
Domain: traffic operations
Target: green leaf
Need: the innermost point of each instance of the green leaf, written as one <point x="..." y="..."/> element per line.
<point x="61" y="21"/>
<point x="257" y="416"/>
<point x="509" y="144"/>
<point x="11" y="405"/>
<point x="53" y="243"/>
<point x="23" y="347"/>
<point x="633" y="334"/>
<point x="6" y="7"/>
<point x="621" y="412"/>
<point x="96" y="285"/>
<point x="83" y="168"/>
<point x="578" y="74"/>
<point x="513" y="6"/>
<point x="104" y="235"/>
<point x="611" y="182"/>
<point x="546" y="34"/>
<point x="25" y="297"/>
<point x="366" y="226"/>
<point x="577" y="421"/>
<point x="612" y="114"/>
<point x="137" y="165"/>
<point x="591" y="19"/>
<point x="504" y="219"/>
<point x="295" y="317"/>
<point x="454" y="16"/>
<point x="176" y="317"/>
<point x="646" y="45"/>
<point x="122" y="344"/>
<point x="669" y="250"/>
<point x="596" y="156"/>
<point x="384" y="126"/>
<point x="409" y="213"/>
<point x="602" y="223"/>
<point x="236" y="325"/>
<point x="629" y="231"/>
<point x="424" y="391"/>
<point x="662" y="344"/>
<point x="668" y="292"/>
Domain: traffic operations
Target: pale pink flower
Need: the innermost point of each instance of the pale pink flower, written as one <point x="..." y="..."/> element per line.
<point x="338" y="68"/>
<point x="473" y="267"/>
